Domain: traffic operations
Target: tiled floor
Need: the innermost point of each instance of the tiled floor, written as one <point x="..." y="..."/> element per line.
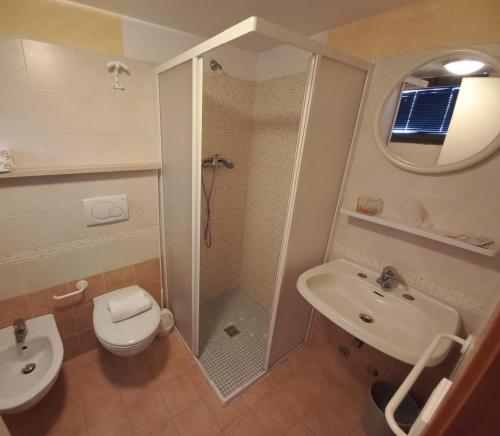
<point x="232" y="362"/>
<point x="162" y="392"/>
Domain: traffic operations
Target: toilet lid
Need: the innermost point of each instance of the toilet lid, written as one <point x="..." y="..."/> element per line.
<point x="130" y="331"/>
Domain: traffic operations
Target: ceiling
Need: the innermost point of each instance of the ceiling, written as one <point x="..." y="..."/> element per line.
<point x="209" y="17"/>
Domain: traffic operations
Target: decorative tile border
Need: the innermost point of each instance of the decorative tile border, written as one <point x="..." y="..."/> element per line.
<point x="72" y="246"/>
<point x="454" y="298"/>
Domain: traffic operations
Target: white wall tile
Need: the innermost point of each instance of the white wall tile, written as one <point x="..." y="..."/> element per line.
<point x="68" y="114"/>
<point x="11" y="283"/>
<point x="12" y="67"/>
<point x="139" y="116"/>
<point x="49" y="66"/>
<point x="25" y="196"/>
<point x="32" y="231"/>
<point x="464" y="201"/>
<point x="44" y="273"/>
<point x="99" y="113"/>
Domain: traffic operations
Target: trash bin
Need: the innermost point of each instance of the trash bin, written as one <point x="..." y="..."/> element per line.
<point x="166" y="322"/>
<point x="374" y="420"/>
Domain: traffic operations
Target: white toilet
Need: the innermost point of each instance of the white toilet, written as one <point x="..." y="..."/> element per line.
<point x="130" y="336"/>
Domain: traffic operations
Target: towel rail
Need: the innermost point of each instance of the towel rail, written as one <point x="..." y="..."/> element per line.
<point x="405" y="387"/>
<point x="80" y="287"/>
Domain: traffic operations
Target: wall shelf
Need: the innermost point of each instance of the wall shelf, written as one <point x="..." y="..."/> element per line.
<point x="84" y="169"/>
<point x="434" y="234"/>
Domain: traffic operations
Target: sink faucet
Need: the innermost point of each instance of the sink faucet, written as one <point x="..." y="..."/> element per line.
<point x="387" y="278"/>
<point x="20" y="330"/>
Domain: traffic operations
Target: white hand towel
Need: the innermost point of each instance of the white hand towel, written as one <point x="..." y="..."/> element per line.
<point x="126" y="307"/>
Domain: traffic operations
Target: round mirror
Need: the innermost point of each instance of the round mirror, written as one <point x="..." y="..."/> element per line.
<point x="443" y="115"/>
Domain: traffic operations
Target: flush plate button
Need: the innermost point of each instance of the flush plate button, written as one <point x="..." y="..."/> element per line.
<point x="103" y="210"/>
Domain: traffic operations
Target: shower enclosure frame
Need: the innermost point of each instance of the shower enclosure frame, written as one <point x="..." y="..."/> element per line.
<point x="258" y="27"/>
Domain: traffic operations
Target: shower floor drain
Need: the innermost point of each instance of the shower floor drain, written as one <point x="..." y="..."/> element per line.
<point x="231" y="330"/>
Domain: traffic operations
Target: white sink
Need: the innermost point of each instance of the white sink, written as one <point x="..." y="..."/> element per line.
<point x="44" y="348"/>
<point x="347" y="293"/>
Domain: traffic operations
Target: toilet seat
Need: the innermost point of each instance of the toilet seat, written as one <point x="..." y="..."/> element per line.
<point x="131" y="333"/>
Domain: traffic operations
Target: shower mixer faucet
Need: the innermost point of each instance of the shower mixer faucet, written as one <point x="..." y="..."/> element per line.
<point x="217" y="161"/>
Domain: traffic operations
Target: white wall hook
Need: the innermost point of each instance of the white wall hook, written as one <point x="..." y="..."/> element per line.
<point x="116" y="67"/>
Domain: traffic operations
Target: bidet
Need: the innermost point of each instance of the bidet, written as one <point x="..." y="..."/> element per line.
<point x="29" y="364"/>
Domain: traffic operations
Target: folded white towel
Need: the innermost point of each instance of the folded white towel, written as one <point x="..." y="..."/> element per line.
<point x="126" y="307"/>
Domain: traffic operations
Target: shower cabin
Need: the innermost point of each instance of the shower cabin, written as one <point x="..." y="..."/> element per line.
<point x="256" y="129"/>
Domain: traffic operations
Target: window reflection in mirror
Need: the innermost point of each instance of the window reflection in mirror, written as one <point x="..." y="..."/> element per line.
<point x="444" y="112"/>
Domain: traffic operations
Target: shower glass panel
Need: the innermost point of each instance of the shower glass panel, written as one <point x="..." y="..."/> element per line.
<point x="175" y="92"/>
<point x="252" y="104"/>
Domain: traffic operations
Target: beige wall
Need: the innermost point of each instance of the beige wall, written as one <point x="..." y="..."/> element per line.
<point x="58" y="108"/>
<point x="276" y="115"/>
<point x="62" y="22"/>
<point x="423" y="25"/>
<point x="227" y="128"/>
<point x="255" y="124"/>
<point x="464" y="202"/>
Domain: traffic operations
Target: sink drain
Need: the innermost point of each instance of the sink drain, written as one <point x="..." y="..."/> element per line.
<point x="29" y="367"/>
<point x="366" y="318"/>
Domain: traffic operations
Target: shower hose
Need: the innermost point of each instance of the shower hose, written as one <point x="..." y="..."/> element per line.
<point x="208" y="196"/>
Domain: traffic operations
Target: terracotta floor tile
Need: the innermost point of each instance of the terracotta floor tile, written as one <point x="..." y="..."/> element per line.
<point x="323" y="421"/>
<point x="274" y="413"/>
<point x="278" y="375"/>
<point x="345" y="402"/>
<point x="148" y="413"/>
<point x="167" y="430"/>
<point x="166" y="362"/>
<point x="116" y="424"/>
<point x="246" y="425"/>
<point x="298" y="358"/>
<point x="178" y="394"/>
<point x="133" y="378"/>
<point x="92" y="376"/>
<point x="66" y="388"/>
<point x="64" y="419"/>
<point x="298" y="393"/>
<point x="89" y="356"/>
<point x="162" y="392"/>
<point x="255" y="392"/>
<point x="196" y="420"/>
<point x="225" y="415"/>
<point x="101" y="403"/>
<point x="199" y="380"/>
<point x="299" y="429"/>
<point x="69" y="417"/>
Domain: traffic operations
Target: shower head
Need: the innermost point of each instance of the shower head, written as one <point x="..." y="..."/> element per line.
<point x="215" y="66"/>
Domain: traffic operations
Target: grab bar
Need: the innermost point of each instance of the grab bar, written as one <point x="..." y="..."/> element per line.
<point x="405" y="387"/>
<point x="80" y="287"/>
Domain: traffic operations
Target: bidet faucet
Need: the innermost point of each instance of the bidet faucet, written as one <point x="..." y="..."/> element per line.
<point x="20" y="330"/>
<point x="387" y="278"/>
